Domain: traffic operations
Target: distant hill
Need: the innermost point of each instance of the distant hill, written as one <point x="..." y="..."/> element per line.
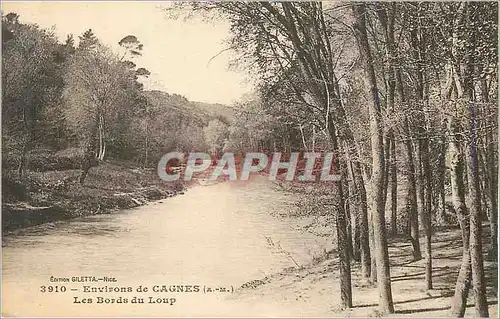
<point x="197" y="111"/>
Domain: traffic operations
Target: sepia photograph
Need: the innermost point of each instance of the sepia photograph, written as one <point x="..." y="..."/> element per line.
<point x="249" y="159"/>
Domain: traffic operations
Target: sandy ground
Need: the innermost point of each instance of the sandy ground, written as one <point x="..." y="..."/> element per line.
<point x="222" y="235"/>
<point x="314" y="290"/>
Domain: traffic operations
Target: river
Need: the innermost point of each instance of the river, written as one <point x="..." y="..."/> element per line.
<point x="222" y="235"/>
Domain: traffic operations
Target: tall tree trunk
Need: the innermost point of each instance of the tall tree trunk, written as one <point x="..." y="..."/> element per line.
<point x="386" y="175"/>
<point x="371" y="238"/>
<point x="440" y="192"/>
<point x="386" y="18"/>
<point x="364" y="235"/>
<point x="424" y="174"/>
<point x="411" y="202"/>
<point x="427" y="216"/>
<point x="102" y="138"/>
<point x="347" y="210"/>
<point x="394" y="188"/>
<point x="341" y="223"/>
<point x="376" y="183"/>
<point x="356" y="248"/>
<point x="492" y="176"/>
<point x="456" y="168"/>
<point x="353" y="201"/>
<point x="476" y="247"/>
<point x="476" y="251"/>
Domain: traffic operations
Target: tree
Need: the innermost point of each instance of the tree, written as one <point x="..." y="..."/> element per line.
<point x="99" y="89"/>
<point x="216" y="134"/>
<point x="31" y="82"/>
<point x="274" y="38"/>
<point x="376" y="192"/>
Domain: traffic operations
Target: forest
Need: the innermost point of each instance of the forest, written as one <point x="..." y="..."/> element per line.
<point x="404" y="93"/>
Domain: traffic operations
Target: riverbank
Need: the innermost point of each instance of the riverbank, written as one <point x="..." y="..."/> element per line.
<point x="221" y="235"/>
<point x="313" y="289"/>
<point x="47" y="196"/>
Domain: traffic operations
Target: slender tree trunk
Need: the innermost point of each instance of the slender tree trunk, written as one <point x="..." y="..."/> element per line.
<point x="424" y="177"/>
<point x="364" y="236"/>
<point x="371" y="239"/>
<point x="376" y="183"/>
<point x="313" y="146"/>
<point x="373" y="249"/>
<point x="441" y="195"/>
<point x="427" y="216"/>
<point x="356" y="254"/>
<point x="386" y="16"/>
<point x="456" y="168"/>
<point x="411" y="203"/>
<point x="303" y="137"/>
<point x="492" y="175"/>
<point x="347" y="210"/>
<point x="341" y="223"/>
<point x="394" y="188"/>
<point x="387" y="170"/>
<point x="102" y="138"/>
<point x="476" y="247"/>
<point x="411" y="198"/>
<point x="353" y="201"/>
<point x="476" y="251"/>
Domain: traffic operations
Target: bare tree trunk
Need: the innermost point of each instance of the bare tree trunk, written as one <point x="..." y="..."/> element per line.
<point x="394" y="188"/>
<point x="347" y="210"/>
<point x="411" y="203"/>
<point x="476" y="247"/>
<point x="377" y="179"/>
<point x="364" y="236"/>
<point x="303" y="137"/>
<point x="476" y="251"/>
<point x="386" y="175"/>
<point x="441" y="195"/>
<point x="386" y="16"/>
<point x="342" y="237"/>
<point x="361" y="241"/>
<point x="102" y="138"/>
<point x="427" y="216"/>
<point x="313" y="146"/>
<point x="424" y="178"/>
<point x="456" y="167"/>
<point x="356" y="253"/>
<point x="492" y="175"/>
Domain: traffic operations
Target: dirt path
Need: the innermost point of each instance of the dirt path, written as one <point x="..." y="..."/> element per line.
<point x="314" y="291"/>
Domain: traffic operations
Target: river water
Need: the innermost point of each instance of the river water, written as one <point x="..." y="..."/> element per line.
<point x="215" y="236"/>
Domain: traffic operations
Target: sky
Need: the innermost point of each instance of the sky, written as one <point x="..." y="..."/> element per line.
<point x="176" y="52"/>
